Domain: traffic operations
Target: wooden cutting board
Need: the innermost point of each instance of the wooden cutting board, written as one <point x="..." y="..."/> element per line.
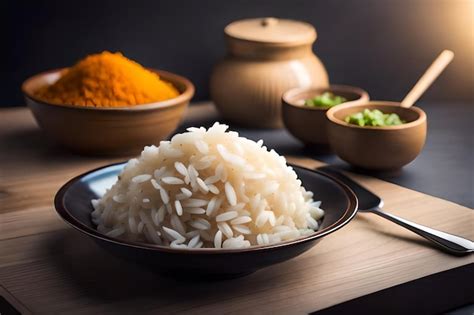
<point x="48" y="268"/>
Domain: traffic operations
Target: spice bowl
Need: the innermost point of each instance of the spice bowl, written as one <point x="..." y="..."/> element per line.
<point x="377" y="148"/>
<point x="108" y="130"/>
<point x="309" y="124"/>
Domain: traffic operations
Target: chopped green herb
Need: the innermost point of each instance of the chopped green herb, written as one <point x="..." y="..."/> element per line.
<point x="373" y="118"/>
<point x="327" y="99"/>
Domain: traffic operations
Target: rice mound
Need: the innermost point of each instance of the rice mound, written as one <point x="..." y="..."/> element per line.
<point x="207" y="189"/>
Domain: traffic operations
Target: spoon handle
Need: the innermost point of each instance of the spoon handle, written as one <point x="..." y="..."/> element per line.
<point x="450" y="243"/>
<point x="427" y="78"/>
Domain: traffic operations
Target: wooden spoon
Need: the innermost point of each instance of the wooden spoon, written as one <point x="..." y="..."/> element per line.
<point x="428" y="78"/>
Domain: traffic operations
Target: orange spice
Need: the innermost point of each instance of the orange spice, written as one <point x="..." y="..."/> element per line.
<point x="107" y="80"/>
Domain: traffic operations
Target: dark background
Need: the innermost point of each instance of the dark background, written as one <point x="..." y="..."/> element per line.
<point x="382" y="46"/>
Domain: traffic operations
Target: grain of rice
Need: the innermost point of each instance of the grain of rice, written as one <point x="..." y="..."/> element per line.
<point x="230" y="194"/>
<point x="194" y="241"/>
<point x="271" y="218"/>
<point x="312" y="223"/>
<point x="212" y="206"/>
<point x="242" y="229"/>
<point x="155" y="184"/>
<point x="262" y="218"/>
<point x="193" y="129"/>
<point x="178" y="207"/>
<point x="200" y="224"/>
<point x="218" y="239"/>
<point x="225" y="229"/>
<point x="194" y="210"/>
<point x="171" y="180"/>
<point x="180" y="168"/>
<point x="186" y="191"/>
<point x="202" y="186"/>
<point x="229" y="157"/>
<point x="192" y="202"/>
<point x="288" y="235"/>
<point x="212" y="179"/>
<point x="174" y="234"/>
<point x="161" y="214"/>
<point x="164" y="196"/>
<point x="141" y="178"/>
<point x="177" y="244"/>
<point x="316" y="204"/>
<point x="241" y="220"/>
<point x="226" y="216"/>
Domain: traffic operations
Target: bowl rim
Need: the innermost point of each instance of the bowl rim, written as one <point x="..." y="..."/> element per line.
<point x="330" y="114"/>
<point x="62" y="211"/>
<point x="184" y="96"/>
<point x="363" y="95"/>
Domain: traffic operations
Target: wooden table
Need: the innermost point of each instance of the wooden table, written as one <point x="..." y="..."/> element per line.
<point x="47" y="268"/>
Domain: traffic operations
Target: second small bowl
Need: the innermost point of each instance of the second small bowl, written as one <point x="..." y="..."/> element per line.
<point x="309" y="124"/>
<point x="377" y="148"/>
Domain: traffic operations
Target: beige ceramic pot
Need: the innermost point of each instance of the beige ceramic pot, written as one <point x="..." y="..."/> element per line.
<point x="265" y="58"/>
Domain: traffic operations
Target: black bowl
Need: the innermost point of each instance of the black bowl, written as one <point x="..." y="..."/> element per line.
<point x="73" y="204"/>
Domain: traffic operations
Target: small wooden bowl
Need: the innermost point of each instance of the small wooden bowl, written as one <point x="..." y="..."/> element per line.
<point x="108" y="131"/>
<point x="377" y="148"/>
<point x="309" y="124"/>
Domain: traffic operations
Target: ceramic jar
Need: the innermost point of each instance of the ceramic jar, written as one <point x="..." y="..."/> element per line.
<point x="265" y="58"/>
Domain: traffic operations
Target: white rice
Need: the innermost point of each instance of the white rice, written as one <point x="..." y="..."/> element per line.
<point x="207" y="189"/>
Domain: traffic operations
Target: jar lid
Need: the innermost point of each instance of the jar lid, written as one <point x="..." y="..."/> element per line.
<point x="271" y="30"/>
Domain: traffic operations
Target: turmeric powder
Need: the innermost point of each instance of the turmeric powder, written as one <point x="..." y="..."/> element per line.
<point x="107" y="80"/>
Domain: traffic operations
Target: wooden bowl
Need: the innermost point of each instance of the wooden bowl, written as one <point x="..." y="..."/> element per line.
<point x="108" y="131"/>
<point x="309" y="124"/>
<point x="73" y="204"/>
<point x="377" y="148"/>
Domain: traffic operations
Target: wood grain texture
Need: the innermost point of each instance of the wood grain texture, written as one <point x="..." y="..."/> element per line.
<point x="48" y="268"/>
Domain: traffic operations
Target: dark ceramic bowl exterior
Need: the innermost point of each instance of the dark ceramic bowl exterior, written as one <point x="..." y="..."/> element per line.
<point x="309" y="124"/>
<point x="73" y="204"/>
<point x="108" y="131"/>
<point x="377" y="148"/>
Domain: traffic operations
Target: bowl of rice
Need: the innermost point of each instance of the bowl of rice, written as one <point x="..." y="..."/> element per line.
<point x="207" y="203"/>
